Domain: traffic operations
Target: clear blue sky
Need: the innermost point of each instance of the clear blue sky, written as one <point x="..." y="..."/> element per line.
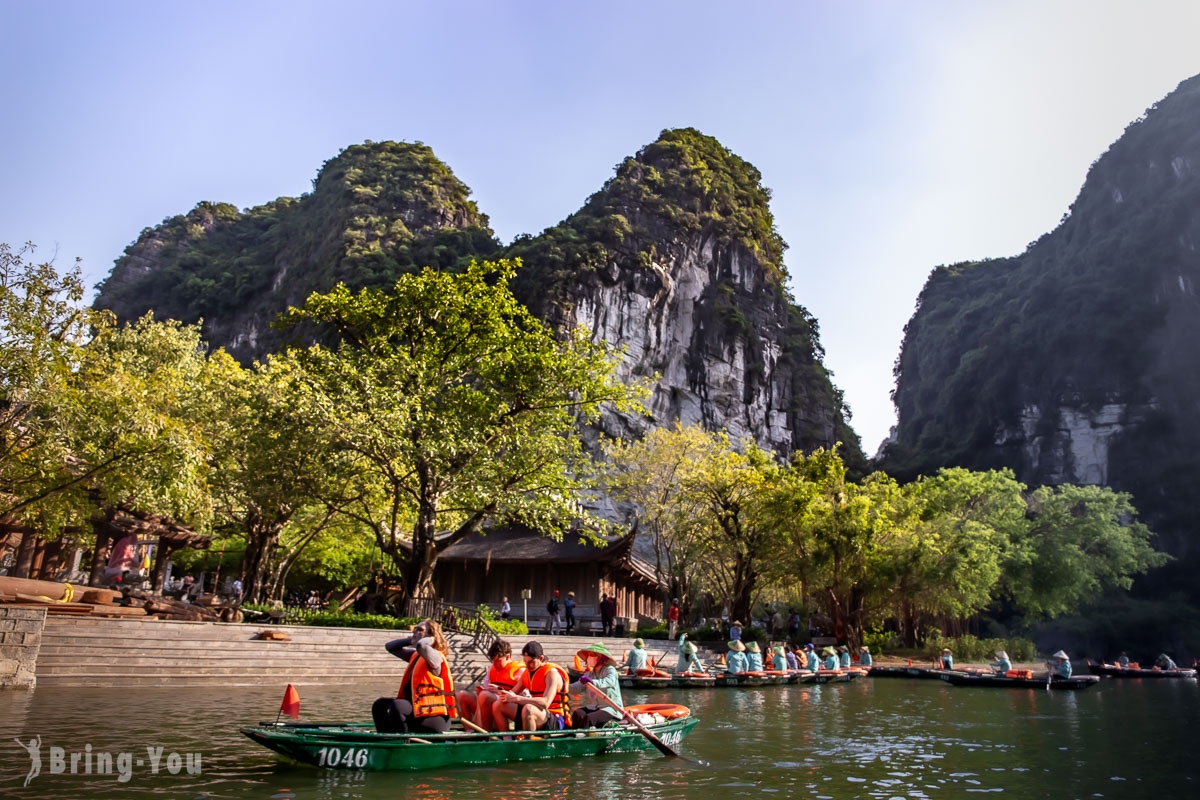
<point x="896" y="136"/>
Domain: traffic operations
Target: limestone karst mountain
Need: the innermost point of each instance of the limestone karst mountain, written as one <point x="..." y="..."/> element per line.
<point x="1077" y="360"/>
<point x="676" y="260"/>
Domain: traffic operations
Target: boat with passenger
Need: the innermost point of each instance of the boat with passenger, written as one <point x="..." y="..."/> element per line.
<point x="357" y="746"/>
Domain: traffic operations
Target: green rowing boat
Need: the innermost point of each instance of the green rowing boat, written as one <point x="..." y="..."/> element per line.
<point x="357" y="746"/>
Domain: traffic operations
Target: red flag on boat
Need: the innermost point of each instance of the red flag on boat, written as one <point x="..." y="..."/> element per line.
<point x="291" y="703"/>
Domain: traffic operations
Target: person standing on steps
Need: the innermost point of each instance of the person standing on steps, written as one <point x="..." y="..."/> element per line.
<point x="608" y="610"/>
<point x="673" y="619"/>
<point x="569" y="609"/>
<point x="553" y="609"/>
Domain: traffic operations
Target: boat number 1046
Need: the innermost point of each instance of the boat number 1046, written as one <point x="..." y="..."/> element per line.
<point x="347" y="759"/>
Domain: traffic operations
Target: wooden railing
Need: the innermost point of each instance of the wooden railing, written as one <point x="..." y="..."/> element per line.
<point x="460" y="619"/>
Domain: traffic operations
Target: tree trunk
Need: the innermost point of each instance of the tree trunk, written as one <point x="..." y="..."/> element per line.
<point x="25" y="554"/>
<point x="262" y="544"/>
<point x="104" y="531"/>
<point x="162" y="555"/>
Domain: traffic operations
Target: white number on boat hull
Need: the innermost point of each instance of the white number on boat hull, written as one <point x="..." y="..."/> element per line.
<point x="674" y="737"/>
<point x="344" y="759"/>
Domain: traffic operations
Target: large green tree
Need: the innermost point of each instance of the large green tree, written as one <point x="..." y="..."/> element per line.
<point x="1078" y="541"/>
<point x="456" y="406"/>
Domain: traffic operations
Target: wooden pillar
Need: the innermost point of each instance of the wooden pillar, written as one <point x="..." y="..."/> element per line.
<point x="24" y="566"/>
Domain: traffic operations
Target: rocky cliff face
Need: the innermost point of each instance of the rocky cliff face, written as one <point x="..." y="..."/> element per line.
<point x="1076" y="361"/>
<point x="676" y="260"/>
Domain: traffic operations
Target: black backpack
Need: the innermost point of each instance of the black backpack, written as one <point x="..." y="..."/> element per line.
<point x="552" y="606"/>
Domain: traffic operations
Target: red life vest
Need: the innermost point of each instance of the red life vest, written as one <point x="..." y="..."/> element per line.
<point x="505" y="677"/>
<point x="561" y="704"/>
<point x="432" y="695"/>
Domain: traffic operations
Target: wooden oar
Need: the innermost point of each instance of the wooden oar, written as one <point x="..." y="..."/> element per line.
<point x="468" y="724"/>
<point x="642" y="729"/>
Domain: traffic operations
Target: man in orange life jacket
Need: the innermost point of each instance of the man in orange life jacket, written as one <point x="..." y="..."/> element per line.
<point x="502" y="675"/>
<point x="426" y="701"/>
<point x="548" y="706"/>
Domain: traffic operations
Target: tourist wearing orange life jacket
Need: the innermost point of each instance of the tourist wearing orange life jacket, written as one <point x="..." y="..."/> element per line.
<point x="480" y="705"/>
<point x="426" y="702"/>
<point x="547" y="707"/>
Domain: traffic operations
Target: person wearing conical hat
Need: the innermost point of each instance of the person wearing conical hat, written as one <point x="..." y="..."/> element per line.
<point x="779" y="660"/>
<point x="753" y="657"/>
<point x="1002" y="664"/>
<point x="843" y="656"/>
<point x="947" y="659"/>
<point x="735" y="659"/>
<point x="864" y="656"/>
<point x="687" y="656"/>
<point x="602" y="674"/>
<point x="830" y="660"/>
<point x="636" y="659"/>
<point x="1059" y="665"/>
<point x="1164" y="661"/>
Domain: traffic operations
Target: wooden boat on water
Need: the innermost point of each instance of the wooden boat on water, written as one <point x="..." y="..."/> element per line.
<point x="1076" y="682"/>
<point x="1115" y="671"/>
<point x="356" y="746"/>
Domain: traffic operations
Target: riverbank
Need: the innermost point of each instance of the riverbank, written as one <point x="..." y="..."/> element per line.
<point x="135" y="653"/>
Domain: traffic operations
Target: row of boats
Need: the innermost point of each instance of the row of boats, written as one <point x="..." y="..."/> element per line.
<point x="357" y="746"/>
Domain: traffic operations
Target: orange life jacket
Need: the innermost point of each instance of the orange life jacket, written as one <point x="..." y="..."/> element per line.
<point x="505" y="677"/>
<point x="561" y="704"/>
<point x="432" y="695"/>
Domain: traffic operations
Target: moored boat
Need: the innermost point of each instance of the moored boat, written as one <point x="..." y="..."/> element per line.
<point x="1115" y="671"/>
<point x="358" y="746"/>
<point x="693" y="680"/>
<point x="1003" y="681"/>
<point x="646" y="681"/>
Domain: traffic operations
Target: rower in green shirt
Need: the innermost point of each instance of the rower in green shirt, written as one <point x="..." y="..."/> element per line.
<point x="636" y="659"/>
<point x="753" y="658"/>
<point x="779" y="660"/>
<point x="1002" y="664"/>
<point x="601" y="673"/>
<point x="735" y="659"/>
<point x="864" y="657"/>
<point x="831" y="661"/>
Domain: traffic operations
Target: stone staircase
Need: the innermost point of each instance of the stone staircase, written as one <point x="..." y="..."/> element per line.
<point x="132" y="653"/>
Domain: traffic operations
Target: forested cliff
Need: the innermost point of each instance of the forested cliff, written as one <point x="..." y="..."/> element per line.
<point x="676" y="260"/>
<point x="1076" y="361"/>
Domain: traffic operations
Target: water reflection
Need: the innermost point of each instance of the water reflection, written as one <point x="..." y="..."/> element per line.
<point x="869" y="739"/>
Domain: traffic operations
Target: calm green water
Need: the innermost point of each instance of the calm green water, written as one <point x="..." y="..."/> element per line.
<point x="875" y="738"/>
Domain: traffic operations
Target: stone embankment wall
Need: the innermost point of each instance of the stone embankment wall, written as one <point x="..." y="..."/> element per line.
<point x="135" y="653"/>
<point x="20" y="639"/>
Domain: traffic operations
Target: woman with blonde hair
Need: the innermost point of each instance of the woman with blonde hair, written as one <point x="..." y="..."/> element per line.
<point x="426" y="702"/>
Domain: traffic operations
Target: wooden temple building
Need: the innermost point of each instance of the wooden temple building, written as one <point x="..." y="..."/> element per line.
<point x="486" y="568"/>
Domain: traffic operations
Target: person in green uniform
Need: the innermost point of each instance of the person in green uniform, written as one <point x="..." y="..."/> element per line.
<point x="947" y="659"/>
<point x="864" y="656"/>
<point x="1164" y="661"/>
<point x="636" y="659"/>
<point x="843" y="656"/>
<point x="779" y="660"/>
<point x="1002" y="664"/>
<point x="753" y="658"/>
<point x="687" y="656"/>
<point x="735" y="659"/>
<point x="1059" y="665"/>
<point x="602" y="674"/>
<point x="831" y="661"/>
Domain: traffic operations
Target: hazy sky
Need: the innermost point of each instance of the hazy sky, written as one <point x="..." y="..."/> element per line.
<point x="896" y="136"/>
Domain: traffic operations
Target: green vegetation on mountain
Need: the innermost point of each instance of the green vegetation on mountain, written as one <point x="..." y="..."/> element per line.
<point x="377" y="211"/>
<point x="1079" y="354"/>
<point x="679" y="196"/>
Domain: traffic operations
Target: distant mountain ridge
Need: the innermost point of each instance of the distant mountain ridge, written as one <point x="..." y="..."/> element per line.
<point x="676" y="259"/>
<point x="1077" y="360"/>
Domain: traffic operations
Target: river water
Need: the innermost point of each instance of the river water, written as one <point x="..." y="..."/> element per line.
<point x="874" y="738"/>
